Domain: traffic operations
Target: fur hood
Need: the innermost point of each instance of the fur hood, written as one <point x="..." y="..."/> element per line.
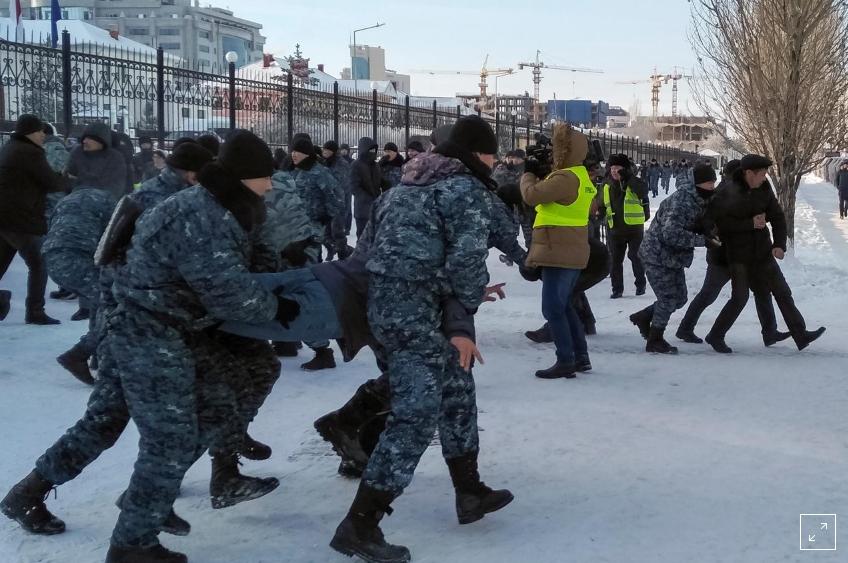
<point x="569" y="146"/>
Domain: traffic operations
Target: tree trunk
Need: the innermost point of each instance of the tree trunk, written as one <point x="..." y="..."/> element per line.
<point x="787" y="191"/>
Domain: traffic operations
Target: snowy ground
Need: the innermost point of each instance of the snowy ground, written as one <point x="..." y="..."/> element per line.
<point x="698" y="457"/>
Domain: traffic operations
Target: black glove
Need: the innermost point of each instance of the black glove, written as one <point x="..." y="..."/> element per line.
<point x="533" y="166"/>
<point x="287" y="311"/>
<point x="295" y="253"/>
<point x="530" y="274"/>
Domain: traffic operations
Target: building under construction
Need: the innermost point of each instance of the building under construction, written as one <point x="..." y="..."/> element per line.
<point x="681" y="129"/>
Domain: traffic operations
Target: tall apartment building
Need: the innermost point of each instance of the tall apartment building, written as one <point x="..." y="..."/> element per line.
<point x="369" y="63"/>
<point x="181" y="27"/>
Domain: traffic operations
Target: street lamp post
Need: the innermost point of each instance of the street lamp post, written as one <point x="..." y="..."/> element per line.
<point x="232" y="58"/>
<point x="352" y="69"/>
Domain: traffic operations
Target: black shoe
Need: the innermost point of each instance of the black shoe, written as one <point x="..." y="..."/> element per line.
<point x="228" y="487"/>
<point x="808" y="337"/>
<point x="617" y="295"/>
<point x="582" y="365"/>
<point x="251" y="449"/>
<point x="77" y="364"/>
<point x="657" y="343"/>
<point x="82" y="314"/>
<point x="359" y="533"/>
<point x="718" y="344"/>
<point x="775" y="337"/>
<point x="640" y="290"/>
<point x="154" y="554"/>
<point x="39" y="318"/>
<point x="642" y="320"/>
<point x="590" y="329"/>
<point x="287" y="349"/>
<point x="541" y="335"/>
<point x="25" y="505"/>
<point x="558" y="370"/>
<point x="173" y="524"/>
<point x="351" y="469"/>
<point x="689" y="336"/>
<point x="63" y="294"/>
<point x="473" y="498"/>
<point x="5" y="303"/>
<point x="323" y="359"/>
<point x="344" y="438"/>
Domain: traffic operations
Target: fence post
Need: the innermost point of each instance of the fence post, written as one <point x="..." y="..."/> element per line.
<point x="435" y="115"/>
<point x="289" y="109"/>
<point x="336" y="111"/>
<point x="374" y="114"/>
<point x="458" y="111"/>
<point x="67" y="114"/>
<point x="528" y="129"/>
<point x="406" y="121"/>
<point x="513" y="132"/>
<point x="498" y="126"/>
<point x="232" y="94"/>
<point x="160" y="97"/>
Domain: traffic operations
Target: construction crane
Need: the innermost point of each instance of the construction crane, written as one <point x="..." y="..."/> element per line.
<point x="656" y="81"/>
<point x="484" y="73"/>
<point x="539" y="65"/>
<point x="674" y="77"/>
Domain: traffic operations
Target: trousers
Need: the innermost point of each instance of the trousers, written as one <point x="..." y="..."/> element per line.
<point x="29" y="247"/>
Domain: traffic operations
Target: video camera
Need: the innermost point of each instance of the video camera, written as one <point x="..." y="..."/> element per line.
<point x="541" y="151"/>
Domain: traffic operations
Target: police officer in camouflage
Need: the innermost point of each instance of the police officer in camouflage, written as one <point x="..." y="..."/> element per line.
<point x="186" y="270"/>
<point x="340" y="229"/>
<point x="668" y="249"/>
<point x="430" y="243"/>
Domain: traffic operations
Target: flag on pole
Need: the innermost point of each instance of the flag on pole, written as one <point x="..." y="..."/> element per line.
<point x="15" y="16"/>
<point x="55" y="16"/>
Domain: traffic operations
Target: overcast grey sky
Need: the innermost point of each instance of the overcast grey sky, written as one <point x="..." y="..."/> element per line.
<point x="625" y="39"/>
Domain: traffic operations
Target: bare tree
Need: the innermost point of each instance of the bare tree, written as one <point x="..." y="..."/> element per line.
<point x="775" y="72"/>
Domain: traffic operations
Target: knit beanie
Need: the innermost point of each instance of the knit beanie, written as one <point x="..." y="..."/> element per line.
<point x="332" y="146"/>
<point x="415" y="146"/>
<point x="210" y="143"/>
<point x="28" y="124"/>
<point x="302" y="144"/>
<point x="474" y="134"/>
<point x="390" y="147"/>
<point x="703" y="173"/>
<point x="246" y="156"/>
<point x="190" y="157"/>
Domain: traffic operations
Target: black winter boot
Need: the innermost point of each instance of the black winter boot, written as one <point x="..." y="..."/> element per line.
<point x="808" y="337"/>
<point x="25" y="505"/>
<point x="287" y="349"/>
<point x="642" y="320"/>
<point x="473" y="498"/>
<point x="154" y="554"/>
<point x="351" y="469"/>
<point x="254" y="450"/>
<point x="341" y="427"/>
<point x="558" y="370"/>
<point x="323" y="359"/>
<point x="5" y="303"/>
<point x="775" y="337"/>
<point x="541" y="335"/>
<point x="657" y="344"/>
<point x="76" y="362"/>
<point x="173" y="524"/>
<point x="63" y="294"/>
<point x="359" y="533"/>
<point x="641" y="290"/>
<point x="718" y="344"/>
<point x="82" y="314"/>
<point x="689" y="336"/>
<point x="39" y="317"/>
<point x="228" y="487"/>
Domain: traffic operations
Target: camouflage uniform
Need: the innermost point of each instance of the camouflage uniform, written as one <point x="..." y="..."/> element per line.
<point x="430" y="244"/>
<point x="75" y="229"/>
<point x="187" y="270"/>
<point x="668" y="248"/>
<point x="340" y="169"/>
<point x="57" y="157"/>
<point x="158" y="189"/>
<point x="322" y="195"/>
<point x="288" y="220"/>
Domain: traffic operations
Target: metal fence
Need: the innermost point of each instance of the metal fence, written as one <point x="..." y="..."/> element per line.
<point x="152" y="94"/>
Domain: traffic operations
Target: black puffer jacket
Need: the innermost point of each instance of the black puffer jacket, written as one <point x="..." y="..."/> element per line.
<point x="365" y="178"/>
<point x="25" y="180"/>
<point x="733" y="210"/>
<point x="105" y="169"/>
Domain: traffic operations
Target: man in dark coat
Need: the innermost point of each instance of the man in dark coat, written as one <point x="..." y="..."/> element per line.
<point x="122" y="143"/>
<point x="25" y="180"/>
<point x="842" y="188"/>
<point x="365" y="182"/>
<point x="391" y="166"/>
<point x="742" y="213"/>
<point x="143" y="159"/>
<point x="95" y="164"/>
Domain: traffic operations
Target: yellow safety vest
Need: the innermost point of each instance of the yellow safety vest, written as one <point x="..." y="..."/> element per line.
<point x="573" y="215"/>
<point x="634" y="212"/>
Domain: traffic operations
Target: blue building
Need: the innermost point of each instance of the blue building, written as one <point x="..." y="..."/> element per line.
<point x="580" y="113"/>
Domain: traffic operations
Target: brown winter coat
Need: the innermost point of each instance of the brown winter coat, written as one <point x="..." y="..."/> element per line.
<point x="560" y="247"/>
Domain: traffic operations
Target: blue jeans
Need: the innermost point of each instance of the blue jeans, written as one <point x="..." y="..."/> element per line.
<point x="557" y="286"/>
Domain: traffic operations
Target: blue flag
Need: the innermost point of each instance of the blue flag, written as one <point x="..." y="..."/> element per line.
<point x="55" y="16"/>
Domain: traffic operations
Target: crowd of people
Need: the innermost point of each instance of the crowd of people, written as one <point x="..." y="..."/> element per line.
<point x="200" y="268"/>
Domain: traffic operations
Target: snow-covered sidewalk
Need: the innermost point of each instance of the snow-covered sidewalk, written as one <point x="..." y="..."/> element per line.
<point x="699" y="457"/>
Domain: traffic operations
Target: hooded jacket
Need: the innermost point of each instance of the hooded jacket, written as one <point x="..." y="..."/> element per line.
<point x="104" y="169"/>
<point x="25" y="180"/>
<point x="558" y="247"/>
<point x="365" y="179"/>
